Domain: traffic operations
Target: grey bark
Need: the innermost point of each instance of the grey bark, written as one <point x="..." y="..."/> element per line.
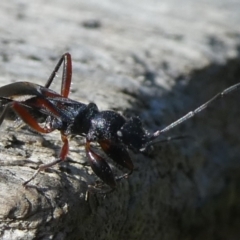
<point x="154" y="59"/>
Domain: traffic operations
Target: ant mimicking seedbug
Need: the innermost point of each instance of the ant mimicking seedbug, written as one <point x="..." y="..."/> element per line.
<point x="110" y="130"/>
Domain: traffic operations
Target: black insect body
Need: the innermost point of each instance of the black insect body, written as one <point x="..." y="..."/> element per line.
<point x="114" y="133"/>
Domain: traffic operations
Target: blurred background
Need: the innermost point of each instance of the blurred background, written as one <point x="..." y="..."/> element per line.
<point x="154" y="59"/>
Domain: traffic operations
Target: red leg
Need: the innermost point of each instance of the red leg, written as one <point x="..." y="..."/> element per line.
<point x="23" y="113"/>
<point x="42" y="102"/>
<point x="62" y="157"/>
<point x="28" y="118"/>
<point x="21" y="110"/>
<point x="66" y="75"/>
<point x="118" y="154"/>
<point x="65" y="147"/>
<point x="100" y="166"/>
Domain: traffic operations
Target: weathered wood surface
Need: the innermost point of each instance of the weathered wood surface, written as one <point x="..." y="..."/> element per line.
<point x="155" y="59"/>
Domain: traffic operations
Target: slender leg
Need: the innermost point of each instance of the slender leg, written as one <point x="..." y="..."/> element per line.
<point x="118" y="154"/>
<point x="39" y="102"/>
<point x="100" y="166"/>
<point x="62" y="157"/>
<point x="22" y="112"/>
<point x="66" y="75"/>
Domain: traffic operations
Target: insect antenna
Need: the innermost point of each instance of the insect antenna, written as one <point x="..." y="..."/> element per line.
<point x="164" y="140"/>
<point x="170" y="139"/>
<point x="194" y="112"/>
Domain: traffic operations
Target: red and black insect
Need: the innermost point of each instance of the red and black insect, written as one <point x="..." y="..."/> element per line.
<point x="114" y="133"/>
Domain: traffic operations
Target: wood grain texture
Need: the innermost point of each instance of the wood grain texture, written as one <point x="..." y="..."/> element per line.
<point x="155" y="59"/>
